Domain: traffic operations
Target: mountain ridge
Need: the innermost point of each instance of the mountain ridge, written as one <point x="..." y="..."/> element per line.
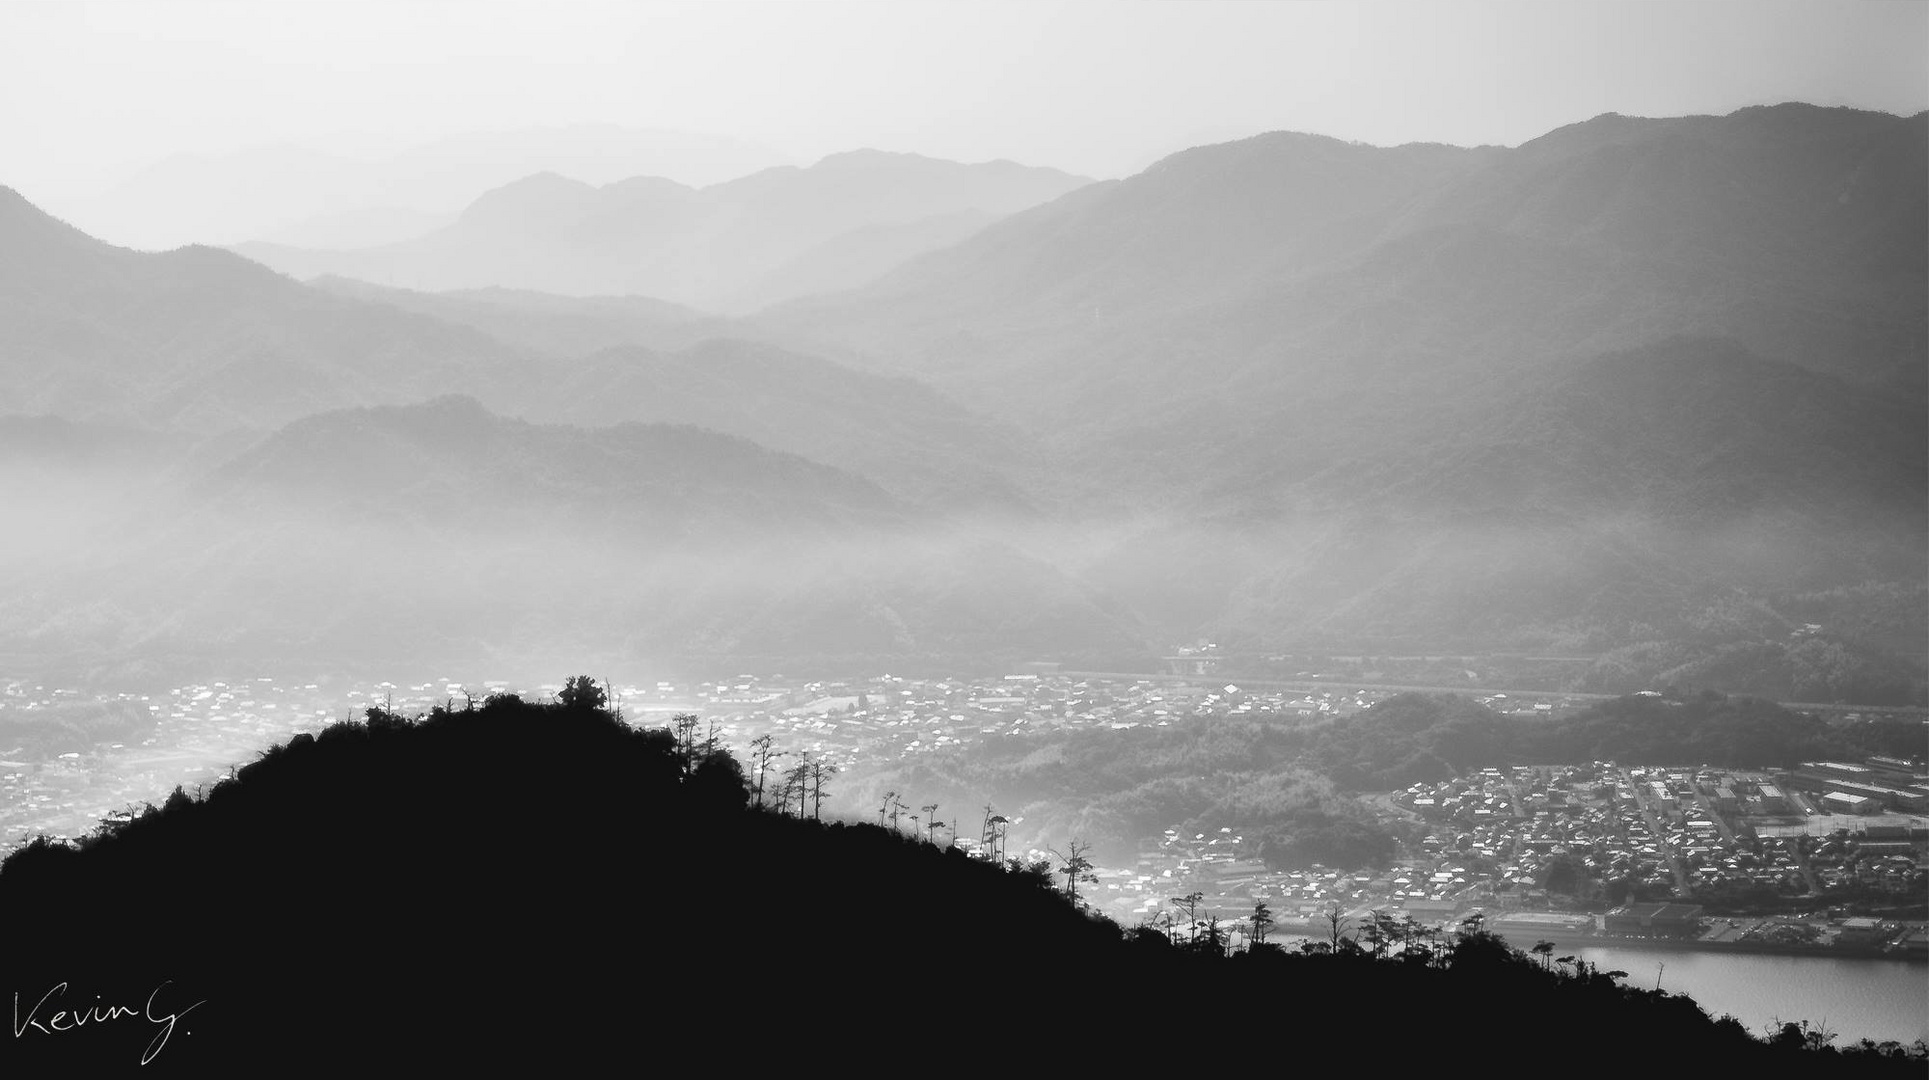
<point x="445" y="525"/>
<point x="719" y="245"/>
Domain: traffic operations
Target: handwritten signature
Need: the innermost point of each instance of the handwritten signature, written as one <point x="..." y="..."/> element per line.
<point x="61" y="1021"/>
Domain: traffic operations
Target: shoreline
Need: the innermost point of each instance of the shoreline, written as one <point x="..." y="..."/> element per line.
<point x="1669" y="944"/>
<point x="1565" y="939"/>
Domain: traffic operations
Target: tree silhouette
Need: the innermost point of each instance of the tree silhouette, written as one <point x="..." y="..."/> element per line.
<point x="996" y="829"/>
<point x="818" y="770"/>
<point x="339" y="815"/>
<point x="761" y="755"/>
<point x="1337" y="925"/>
<point x="1076" y="867"/>
<point x="1213" y="941"/>
<point x="684" y="725"/>
<point x="1416" y="941"/>
<point x="797" y="786"/>
<point x="581" y="692"/>
<point x="1381" y="930"/>
<point x="1262" y="921"/>
<point x="717" y="784"/>
<point x="1190" y="902"/>
<point x="1037" y="871"/>
<point x="1543" y="949"/>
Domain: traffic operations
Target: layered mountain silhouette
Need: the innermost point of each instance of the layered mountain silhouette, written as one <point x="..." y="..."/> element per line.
<point x="1630" y="498"/>
<point x="1633" y="383"/>
<point x="1300" y="267"/>
<point x="443" y="530"/>
<point x="197" y="342"/>
<point x="199" y="339"/>
<point x="1377" y="390"/>
<point x="334" y="199"/>
<point x="638" y="359"/>
<point x="732" y="246"/>
<point x="548" y="323"/>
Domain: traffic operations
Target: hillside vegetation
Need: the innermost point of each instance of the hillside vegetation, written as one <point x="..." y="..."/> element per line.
<point x="1290" y="783"/>
<point x="525" y="885"/>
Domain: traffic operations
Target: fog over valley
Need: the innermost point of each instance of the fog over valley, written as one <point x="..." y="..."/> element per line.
<point x="1633" y="384"/>
<point x="526" y="524"/>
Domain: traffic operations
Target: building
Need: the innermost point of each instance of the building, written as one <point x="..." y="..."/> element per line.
<point x="1842" y="802"/>
<point x="1859" y="933"/>
<point x="1654" y="920"/>
<point x="1834" y="777"/>
<point x="1536" y="924"/>
<point x="1427" y="911"/>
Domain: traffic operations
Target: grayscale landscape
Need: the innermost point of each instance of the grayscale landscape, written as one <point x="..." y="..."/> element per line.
<point x="1222" y="454"/>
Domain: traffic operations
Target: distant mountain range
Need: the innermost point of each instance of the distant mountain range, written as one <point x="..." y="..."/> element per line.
<point x="199" y="342"/>
<point x="1428" y="394"/>
<point x="335" y="199"/>
<point x="1634" y="382"/>
<point x="1295" y="267"/>
<point x="200" y="339"/>
<point x="446" y="531"/>
<point x="734" y="246"/>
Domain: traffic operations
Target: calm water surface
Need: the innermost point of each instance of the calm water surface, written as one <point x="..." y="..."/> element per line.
<point x="1856" y="999"/>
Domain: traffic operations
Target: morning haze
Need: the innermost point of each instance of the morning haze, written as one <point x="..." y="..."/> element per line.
<point x="1153" y="475"/>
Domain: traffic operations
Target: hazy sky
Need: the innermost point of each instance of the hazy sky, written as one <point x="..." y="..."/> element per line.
<point x="1100" y="88"/>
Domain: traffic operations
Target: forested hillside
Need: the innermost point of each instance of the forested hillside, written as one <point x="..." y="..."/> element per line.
<point x="1290" y="784"/>
<point x="413" y="892"/>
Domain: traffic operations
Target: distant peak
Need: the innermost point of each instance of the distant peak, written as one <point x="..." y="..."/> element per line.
<point x="640" y="184"/>
<point x="31" y="232"/>
<point x="18" y="205"/>
<point x="869" y="158"/>
<point x="452" y="405"/>
<point x="549" y="176"/>
<point x="546" y="191"/>
<point x="865" y="157"/>
<point x="437" y="412"/>
<point x="542" y="185"/>
<point x="1788" y="119"/>
<point x="1596" y="131"/>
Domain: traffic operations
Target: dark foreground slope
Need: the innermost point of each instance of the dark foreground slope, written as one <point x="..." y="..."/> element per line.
<point x="543" y="887"/>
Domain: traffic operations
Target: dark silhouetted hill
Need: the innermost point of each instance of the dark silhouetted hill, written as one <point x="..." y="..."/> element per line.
<point x="520" y="886"/>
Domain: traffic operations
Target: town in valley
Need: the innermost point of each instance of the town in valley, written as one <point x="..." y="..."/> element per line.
<point x="1507" y="845"/>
